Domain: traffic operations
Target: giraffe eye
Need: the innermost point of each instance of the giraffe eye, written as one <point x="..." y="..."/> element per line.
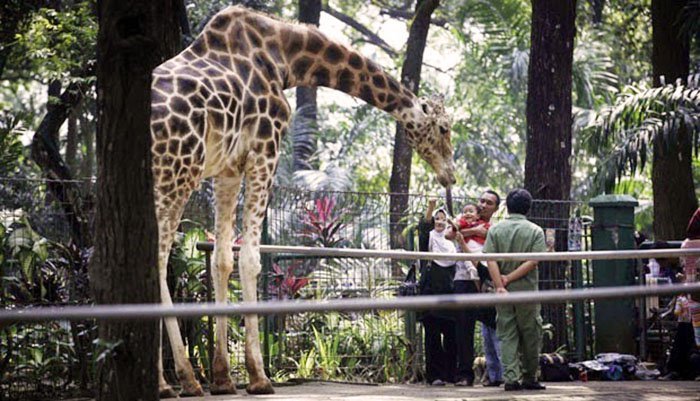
<point x="444" y="130"/>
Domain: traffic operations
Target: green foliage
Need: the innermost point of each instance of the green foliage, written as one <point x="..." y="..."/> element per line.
<point x="328" y="357"/>
<point x="11" y="149"/>
<point x="37" y="271"/>
<point x="353" y="151"/>
<point x="626" y="131"/>
<point x="359" y="348"/>
<point x="40" y="357"/>
<point x="593" y="79"/>
<point x="627" y="26"/>
<point x="188" y="266"/>
<point x="58" y="44"/>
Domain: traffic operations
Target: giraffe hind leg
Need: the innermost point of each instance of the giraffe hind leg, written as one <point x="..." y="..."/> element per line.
<point x="259" y="175"/>
<point x="226" y="189"/>
<point x="168" y="212"/>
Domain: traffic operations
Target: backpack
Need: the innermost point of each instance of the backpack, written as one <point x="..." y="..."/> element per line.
<point x="553" y="368"/>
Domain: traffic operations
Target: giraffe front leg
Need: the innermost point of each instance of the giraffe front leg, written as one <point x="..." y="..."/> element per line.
<point x="250" y="269"/>
<point x="226" y="191"/>
<point x="254" y="212"/>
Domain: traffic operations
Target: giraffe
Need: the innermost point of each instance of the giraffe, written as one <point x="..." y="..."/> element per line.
<point x="218" y="110"/>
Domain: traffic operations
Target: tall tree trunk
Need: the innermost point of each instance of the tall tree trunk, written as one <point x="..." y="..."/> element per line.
<point x="87" y="137"/>
<point x="54" y="102"/>
<point x="305" y="122"/>
<point x="72" y="143"/>
<point x="401" y="167"/>
<point x="549" y="119"/>
<point x="672" y="174"/>
<point x="45" y="153"/>
<point x="597" y="6"/>
<point x="134" y="37"/>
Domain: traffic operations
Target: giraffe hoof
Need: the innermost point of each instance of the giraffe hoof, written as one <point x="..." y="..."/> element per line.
<point x="260" y="387"/>
<point x="193" y="389"/>
<point x="223" y="387"/>
<point x="166" y="392"/>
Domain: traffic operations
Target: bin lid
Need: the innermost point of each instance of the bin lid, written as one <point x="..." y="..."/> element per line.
<point x="613" y="201"/>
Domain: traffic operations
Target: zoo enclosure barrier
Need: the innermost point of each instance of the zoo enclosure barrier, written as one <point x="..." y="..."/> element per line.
<point x="295" y="217"/>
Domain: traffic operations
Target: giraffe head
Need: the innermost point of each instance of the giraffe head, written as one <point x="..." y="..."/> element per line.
<point x="430" y="137"/>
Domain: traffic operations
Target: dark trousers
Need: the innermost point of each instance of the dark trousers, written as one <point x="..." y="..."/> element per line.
<point x="439" y="349"/>
<point x="465" y="320"/>
<point x="683" y="346"/>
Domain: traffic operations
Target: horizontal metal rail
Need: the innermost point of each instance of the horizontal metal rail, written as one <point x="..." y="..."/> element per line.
<point x="454" y="301"/>
<point x="399" y="254"/>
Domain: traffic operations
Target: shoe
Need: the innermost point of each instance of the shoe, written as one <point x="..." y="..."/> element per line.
<point x="496" y="383"/>
<point x="465" y="383"/>
<point x="670" y="376"/>
<point x="437" y="382"/>
<point x="534" y="386"/>
<point x="515" y="386"/>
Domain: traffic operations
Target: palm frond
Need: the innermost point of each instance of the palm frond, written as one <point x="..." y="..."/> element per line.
<point x="500" y="29"/>
<point x="626" y="131"/>
<point x="691" y="17"/>
<point x="304" y="131"/>
<point x="592" y="68"/>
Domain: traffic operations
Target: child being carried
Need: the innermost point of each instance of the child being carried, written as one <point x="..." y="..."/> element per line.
<point x="471" y="217"/>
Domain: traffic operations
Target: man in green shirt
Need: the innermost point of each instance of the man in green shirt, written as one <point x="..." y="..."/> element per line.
<point x="519" y="327"/>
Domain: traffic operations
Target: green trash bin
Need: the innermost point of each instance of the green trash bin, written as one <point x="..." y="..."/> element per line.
<point x="613" y="229"/>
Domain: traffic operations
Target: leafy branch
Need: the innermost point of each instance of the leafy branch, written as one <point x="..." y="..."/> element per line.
<point x="641" y="116"/>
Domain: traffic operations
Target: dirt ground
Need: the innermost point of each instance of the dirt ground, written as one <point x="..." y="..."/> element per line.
<point x="579" y="391"/>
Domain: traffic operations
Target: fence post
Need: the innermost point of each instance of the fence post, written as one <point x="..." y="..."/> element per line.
<point x="210" y="318"/>
<point x="613" y="229"/>
<point x="410" y="318"/>
<point x="268" y="319"/>
<point x="575" y="244"/>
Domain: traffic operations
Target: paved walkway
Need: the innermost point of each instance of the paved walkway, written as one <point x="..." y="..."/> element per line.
<point x="578" y="391"/>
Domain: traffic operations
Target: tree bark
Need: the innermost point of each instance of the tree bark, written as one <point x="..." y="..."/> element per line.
<point x="54" y="94"/>
<point x="134" y="37"/>
<point x="45" y="153"/>
<point x="371" y="36"/>
<point x="72" y="143"/>
<point x="549" y="119"/>
<point x="597" y="6"/>
<point x="672" y="171"/>
<point x="401" y="167"/>
<point x="306" y="120"/>
<point x="548" y="149"/>
<point x="87" y="136"/>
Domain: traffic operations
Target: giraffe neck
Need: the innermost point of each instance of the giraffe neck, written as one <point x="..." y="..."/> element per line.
<point x="324" y="62"/>
<point x="290" y="55"/>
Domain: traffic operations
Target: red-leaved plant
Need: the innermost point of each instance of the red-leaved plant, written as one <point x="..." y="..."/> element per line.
<point x="322" y="223"/>
<point x="286" y="284"/>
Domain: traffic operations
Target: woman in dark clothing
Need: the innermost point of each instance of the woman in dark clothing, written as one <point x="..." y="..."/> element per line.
<point x="439" y="325"/>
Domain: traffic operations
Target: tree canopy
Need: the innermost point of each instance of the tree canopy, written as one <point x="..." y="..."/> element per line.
<point x="477" y="55"/>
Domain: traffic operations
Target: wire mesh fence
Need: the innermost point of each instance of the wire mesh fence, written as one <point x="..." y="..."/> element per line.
<point x="42" y="263"/>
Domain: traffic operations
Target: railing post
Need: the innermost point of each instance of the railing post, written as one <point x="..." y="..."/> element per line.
<point x="266" y="268"/>
<point x="210" y="321"/>
<point x="410" y="318"/>
<point x="575" y="244"/>
<point x="613" y="229"/>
